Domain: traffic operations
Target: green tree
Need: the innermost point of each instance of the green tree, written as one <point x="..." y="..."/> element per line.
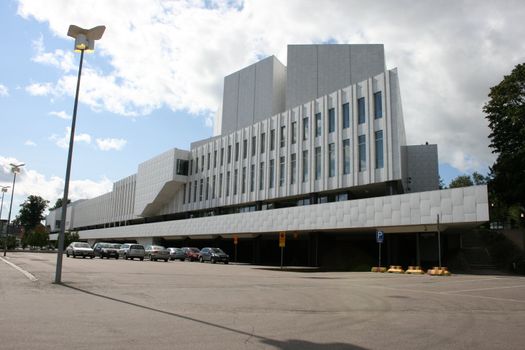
<point x="461" y="181"/>
<point x="58" y="204"/>
<point x="70" y="237"/>
<point x="39" y="237"/>
<point x="505" y="112"/>
<point x="480" y="179"/>
<point x="32" y="212"/>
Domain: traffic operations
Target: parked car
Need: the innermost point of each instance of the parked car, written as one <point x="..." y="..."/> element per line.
<point x="213" y="255"/>
<point x="132" y="251"/>
<point x="157" y="252"/>
<point x="191" y="253"/>
<point x="106" y="250"/>
<point x="177" y="254"/>
<point x="79" y="249"/>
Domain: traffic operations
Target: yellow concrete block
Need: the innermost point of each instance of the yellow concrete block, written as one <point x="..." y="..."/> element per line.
<point x="395" y="269"/>
<point x="416" y="270"/>
<point x="378" y="269"/>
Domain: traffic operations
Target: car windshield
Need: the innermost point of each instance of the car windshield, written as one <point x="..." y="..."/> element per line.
<point x="217" y="250"/>
<point x="136" y="247"/>
<point x="117" y="246"/>
<point x="82" y="245"/>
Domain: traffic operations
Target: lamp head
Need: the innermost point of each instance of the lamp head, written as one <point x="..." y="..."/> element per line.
<point x="85" y="38"/>
<point x="4" y="188"/>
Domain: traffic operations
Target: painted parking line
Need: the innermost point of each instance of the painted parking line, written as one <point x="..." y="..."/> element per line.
<point x="487" y="288"/>
<point x="446" y="293"/>
<point x="24" y="272"/>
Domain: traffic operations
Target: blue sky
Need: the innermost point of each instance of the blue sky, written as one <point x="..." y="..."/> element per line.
<point x="155" y="80"/>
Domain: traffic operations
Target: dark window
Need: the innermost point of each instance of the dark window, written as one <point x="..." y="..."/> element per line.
<point x="318" y="164"/>
<point x="378" y="106"/>
<point x="272" y="139"/>
<point x="196" y="165"/>
<point x="228" y="183"/>
<point x="305" y="128"/>
<point x="220" y="185"/>
<point x="200" y="189"/>
<point x="361" y="117"/>
<point x="244" y="149"/>
<point x="184" y="194"/>
<point x="222" y="156"/>
<point x="191" y="166"/>
<point x="236" y="151"/>
<point x="294" y="132"/>
<point x="271" y="173"/>
<point x="208" y="161"/>
<point x="331" y="120"/>
<point x="235" y="179"/>
<point x="362" y="152"/>
<point x="189" y="192"/>
<point x="215" y="158"/>
<point x="282" y="172"/>
<point x="195" y="191"/>
<point x="254" y="145"/>
<point x="346" y="115"/>
<point x="213" y="188"/>
<point x="379" y="149"/>
<point x="252" y="177"/>
<point x="318" y="124"/>
<point x="261" y="176"/>
<point x="182" y="167"/>
<point x="202" y="163"/>
<point x="207" y="186"/>
<point x="243" y="183"/>
<point x="229" y="154"/>
<point x="331" y="160"/>
<point x="283" y="135"/>
<point x="263" y="141"/>
<point x="346" y="156"/>
<point x="293" y="167"/>
<point x="305" y="166"/>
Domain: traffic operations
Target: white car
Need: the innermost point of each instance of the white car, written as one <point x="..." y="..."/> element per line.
<point x="80" y="249"/>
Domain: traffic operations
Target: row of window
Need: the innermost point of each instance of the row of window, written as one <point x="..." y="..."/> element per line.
<point x="318" y="131"/>
<point x="204" y="191"/>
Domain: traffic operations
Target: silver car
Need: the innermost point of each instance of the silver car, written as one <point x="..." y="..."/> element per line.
<point x="132" y="251"/>
<point x="157" y="252"/>
<point x="79" y="249"/>
<point x="177" y="254"/>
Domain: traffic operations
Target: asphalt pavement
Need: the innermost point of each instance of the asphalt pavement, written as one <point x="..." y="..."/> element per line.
<point x="117" y="304"/>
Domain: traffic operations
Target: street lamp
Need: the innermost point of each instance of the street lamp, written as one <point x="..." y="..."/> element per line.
<point x="15" y="169"/>
<point x="84" y="41"/>
<point x="4" y="190"/>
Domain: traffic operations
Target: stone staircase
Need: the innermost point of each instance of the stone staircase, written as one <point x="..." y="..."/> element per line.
<point x="475" y="253"/>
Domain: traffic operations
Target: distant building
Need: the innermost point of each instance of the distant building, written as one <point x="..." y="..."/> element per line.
<point x="316" y="149"/>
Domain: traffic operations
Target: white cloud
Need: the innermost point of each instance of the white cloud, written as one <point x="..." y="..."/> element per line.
<point x="3" y="90"/>
<point x="40" y="89"/>
<point x="30" y="143"/>
<point x="111" y="144"/>
<point x="58" y="58"/>
<point x="176" y="54"/>
<point x="61" y="115"/>
<point x="63" y="141"/>
<point x="31" y="182"/>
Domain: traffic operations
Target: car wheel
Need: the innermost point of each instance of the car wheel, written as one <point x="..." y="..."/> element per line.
<point x="141" y="259"/>
<point x="165" y="260"/>
<point x="125" y="256"/>
<point x="213" y="261"/>
<point x="67" y="254"/>
<point x="226" y="262"/>
<point x="182" y="259"/>
<point x="91" y="257"/>
<point x="116" y="258"/>
<point x="201" y="259"/>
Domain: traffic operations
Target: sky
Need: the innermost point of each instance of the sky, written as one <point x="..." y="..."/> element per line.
<point x="155" y="79"/>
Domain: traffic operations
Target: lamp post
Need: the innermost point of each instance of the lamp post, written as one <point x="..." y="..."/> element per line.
<point x="4" y="190"/>
<point x="84" y="41"/>
<point x="15" y="168"/>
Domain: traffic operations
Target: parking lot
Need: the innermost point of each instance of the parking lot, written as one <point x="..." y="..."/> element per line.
<point x="122" y="304"/>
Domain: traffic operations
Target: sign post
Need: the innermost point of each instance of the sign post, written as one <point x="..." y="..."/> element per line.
<point x="282" y="244"/>
<point x="380" y="236"/>
<point x="235" y="242"/>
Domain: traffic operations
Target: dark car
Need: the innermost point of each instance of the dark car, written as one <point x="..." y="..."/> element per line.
<point x="106" y="250"/>
<point x="177" y="254"/>
<point x="191" y="253"/>
<point x="213" y="255"/>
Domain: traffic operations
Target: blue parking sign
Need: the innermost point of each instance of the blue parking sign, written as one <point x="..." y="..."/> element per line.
<point x="380" y="236"/>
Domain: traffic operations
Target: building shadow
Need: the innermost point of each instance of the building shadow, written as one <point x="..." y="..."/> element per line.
<point x="278" y="344"/>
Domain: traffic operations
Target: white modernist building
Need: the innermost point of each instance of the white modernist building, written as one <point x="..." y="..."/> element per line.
<point x="316" y="148"/>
